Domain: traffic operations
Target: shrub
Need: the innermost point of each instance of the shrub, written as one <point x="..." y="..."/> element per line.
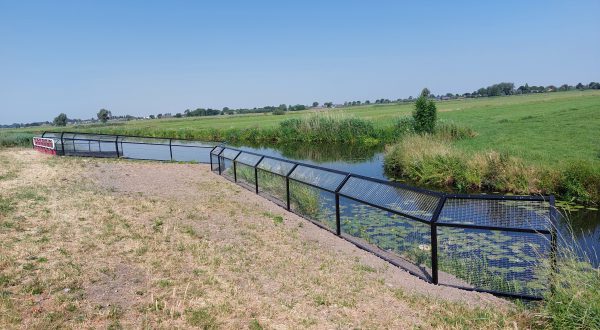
<point x="451" y="131"/>
<point x="580" y="181"/>
<point x="405" y="125"/>
<point x="279" y="112"/>
<point x="15" y="139"/>
<point x="425" y="114"/>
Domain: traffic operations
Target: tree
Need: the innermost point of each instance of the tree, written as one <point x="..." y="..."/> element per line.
<point x="315" y="104"/>
<point x="159" y="116"/>
<point x="580" y="86"/>
<point x="425" y="114"/>
<point x="104" y="115"/>
<point x="178" y="115"/>
<point x="60" y="120"/>
<point x="328" y="104"/>
<point x="152" y="117"/>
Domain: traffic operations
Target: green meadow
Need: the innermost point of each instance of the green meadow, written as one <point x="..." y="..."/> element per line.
<point x="541" y="129"/>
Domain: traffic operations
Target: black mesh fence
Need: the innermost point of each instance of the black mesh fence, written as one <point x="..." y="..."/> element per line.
<point x="130" y="147"/>
<point x="505" y="245"/>
<point x="499" y="244"/>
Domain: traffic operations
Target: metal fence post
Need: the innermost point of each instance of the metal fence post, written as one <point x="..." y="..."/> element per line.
<point x="171" y="148"/>
<point x="256" y="174"/>
<point x="553" y="243"/>
<point x="434" y="241"/>
<point x="235" y="166"/>
<point x="287" y="185"/>
<point x="117" y="145"/>
<point x="338" y="225"/>
<point x="210" y="157"/>
<point x="62" y="142"/>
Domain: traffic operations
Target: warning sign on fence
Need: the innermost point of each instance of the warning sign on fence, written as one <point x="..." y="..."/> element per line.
<point x="44" y="145"/>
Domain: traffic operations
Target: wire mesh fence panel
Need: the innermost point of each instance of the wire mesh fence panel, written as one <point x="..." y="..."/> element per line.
<point x="190" y="151"/>
<point x="144" y="151"/>
<point x="144" y="148"/>
<point x="245" y="175"/>
<point x="248" y="159"/>
<point x="229" y="153"/>
<point x="276" y="166"/>
<point x="272" y="186"/>
<point x="227" y="168"/>
<point x="51" y="135"/>
<point x="494" y="260"/>
<point x="191" y="154"/>
<point x="313" y="203"/>
<point x="392" y="233"/>
<point x="406" y="201"/>
<point x="507" y="213"/>
<point x="215" y="158"/>
<point x="321" y="178"/>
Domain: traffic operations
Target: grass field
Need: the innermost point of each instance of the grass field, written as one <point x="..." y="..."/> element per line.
<point x="542" y="129"/>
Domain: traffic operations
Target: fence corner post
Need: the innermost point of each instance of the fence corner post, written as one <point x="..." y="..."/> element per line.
<point x="338" y="222"/>
<point x="287" y="186"/>
<point x="256" y="174"/>
<point x="62" y="143"/>
<point x="553" y="243"/>
<point x="117" y="146"/>
<point x="434" y="241"/>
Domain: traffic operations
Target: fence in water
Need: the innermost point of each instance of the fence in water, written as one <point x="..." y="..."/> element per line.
<point x="505" y="245"/>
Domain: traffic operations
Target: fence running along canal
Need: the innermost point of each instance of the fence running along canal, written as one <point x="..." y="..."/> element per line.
<point x="504" y="245"/>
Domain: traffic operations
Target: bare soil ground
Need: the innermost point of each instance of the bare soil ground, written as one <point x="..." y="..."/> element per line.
<point x="110" y="243"/>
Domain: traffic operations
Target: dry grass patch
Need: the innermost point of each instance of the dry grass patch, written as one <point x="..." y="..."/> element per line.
<point x="104" y="243"/>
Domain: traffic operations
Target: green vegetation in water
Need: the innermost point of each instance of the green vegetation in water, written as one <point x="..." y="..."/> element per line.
<point x="472" y="257"/>
<point x="432" y="160"/>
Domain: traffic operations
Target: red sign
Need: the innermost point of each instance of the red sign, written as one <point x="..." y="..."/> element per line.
<point x="44" y="145"/>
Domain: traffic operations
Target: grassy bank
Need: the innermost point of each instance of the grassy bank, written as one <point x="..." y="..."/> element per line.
<point x="432" y="160"/>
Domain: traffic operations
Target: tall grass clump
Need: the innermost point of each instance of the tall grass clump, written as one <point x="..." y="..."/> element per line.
<point x="432" y="160"/>
<point x="580" y="181"/>
<point x="574" y="302"/>
<point x="327" y="127"/>
<point x="9" y="139"/>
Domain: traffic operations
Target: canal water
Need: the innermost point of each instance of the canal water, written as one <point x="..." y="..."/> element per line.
<point x="580" y="225"/>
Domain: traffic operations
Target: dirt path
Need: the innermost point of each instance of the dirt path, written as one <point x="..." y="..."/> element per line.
<point x="142" y="244"/>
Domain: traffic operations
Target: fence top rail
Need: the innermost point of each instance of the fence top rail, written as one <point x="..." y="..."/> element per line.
<point x="531" y="198"/>
<point x="291" y="161"/>
<point x="123" y="135"/>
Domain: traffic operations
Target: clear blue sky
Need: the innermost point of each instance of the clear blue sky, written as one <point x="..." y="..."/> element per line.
<point x="143" y="57"/>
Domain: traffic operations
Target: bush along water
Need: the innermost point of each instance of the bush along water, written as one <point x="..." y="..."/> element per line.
<point x="431" y="160"/>
<point x="15" y="139"/>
